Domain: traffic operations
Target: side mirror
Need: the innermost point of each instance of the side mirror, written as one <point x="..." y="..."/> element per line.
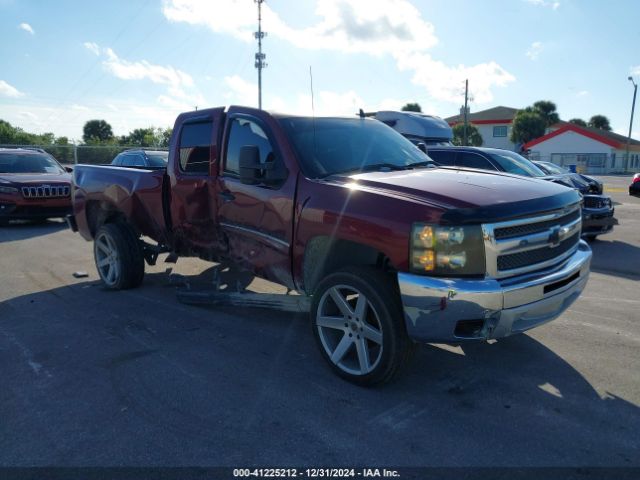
<point x="252" y="172"/>
<point x="250" y="167"/>
<point x="68" y="169"/>
<point x="422" y="147"/>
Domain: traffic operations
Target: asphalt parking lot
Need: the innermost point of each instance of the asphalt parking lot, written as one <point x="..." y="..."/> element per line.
<point x="90" y="377"/>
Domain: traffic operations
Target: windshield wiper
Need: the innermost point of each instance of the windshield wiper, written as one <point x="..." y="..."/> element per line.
<point x="425" y="163"/>
<point x="371" y="168"/>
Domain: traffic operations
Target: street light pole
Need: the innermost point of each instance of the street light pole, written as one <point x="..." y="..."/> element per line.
<point x="633" y="106"/>
<point x="466" y="120"/>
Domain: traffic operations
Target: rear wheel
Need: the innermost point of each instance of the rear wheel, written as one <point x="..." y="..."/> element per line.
<point x="358" y="324"/>
<point x="118" y="256"/>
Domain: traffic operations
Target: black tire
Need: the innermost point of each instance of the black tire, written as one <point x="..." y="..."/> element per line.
<point x="590" y="238"/>
<point x="383" y="317"/>
<point x="128" y="261"/>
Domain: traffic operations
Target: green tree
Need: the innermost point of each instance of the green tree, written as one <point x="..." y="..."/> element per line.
<point x="7" y="132"/>
<point x="528" y="124"/>
<point x="473" y="135"/>
<point x="412" y="107"/>
<point x="162" y="136"/>
<point x="97" y="131"/>
<point x="600" y="121"/>
<point x="11" y="135"/>
<point x="578" y="121"/>
<point x="140" y="137"/>
<point x="548" y="111"/>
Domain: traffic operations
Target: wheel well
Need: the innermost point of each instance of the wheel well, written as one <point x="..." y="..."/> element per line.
<point x="100" y="213"/>
<point x="325" y="255"/>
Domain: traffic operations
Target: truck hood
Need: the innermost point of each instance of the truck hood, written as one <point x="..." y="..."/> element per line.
<point x="34" y="178"/>
<point x="467" y="196"/>
<point x="572" y="180"/>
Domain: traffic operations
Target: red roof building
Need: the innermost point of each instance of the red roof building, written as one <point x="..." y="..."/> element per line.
<point x="592" y="150"/>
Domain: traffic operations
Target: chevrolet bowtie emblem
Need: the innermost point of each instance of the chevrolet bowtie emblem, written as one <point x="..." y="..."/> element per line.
<point x="557" y="235"/>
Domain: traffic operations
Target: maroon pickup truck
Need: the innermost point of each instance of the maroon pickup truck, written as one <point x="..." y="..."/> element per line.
<point x="390" y="249"/>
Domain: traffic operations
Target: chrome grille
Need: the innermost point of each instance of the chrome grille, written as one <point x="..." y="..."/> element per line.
<point x="530" y="228"/>
<point x="526" y="245"/>
<point x="596" y="201"/>
<point x="46" y="191"/>
<point x="518" y="260"/>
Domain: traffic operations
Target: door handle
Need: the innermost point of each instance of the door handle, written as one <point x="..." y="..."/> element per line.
<point x="227" y="196"/>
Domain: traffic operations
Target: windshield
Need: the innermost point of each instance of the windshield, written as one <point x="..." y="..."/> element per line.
<point x="339" y="145"/>
<point x="158" y="159"/>
<point x="28" y="163"/>
<point x="552" y="168"/>
<point x="518" y="165"/>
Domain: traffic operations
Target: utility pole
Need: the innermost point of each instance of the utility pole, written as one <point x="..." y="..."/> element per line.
<point x="466" y="121"/>
<point x="260" y="57"/>
<point x="633" y="106"/>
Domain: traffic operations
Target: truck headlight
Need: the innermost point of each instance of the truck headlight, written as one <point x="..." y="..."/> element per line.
<point x="447" y="251"/>
<point x="9" y="190"/>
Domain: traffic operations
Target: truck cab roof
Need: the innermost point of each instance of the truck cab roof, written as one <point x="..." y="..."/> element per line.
<point x="417" y="125"/>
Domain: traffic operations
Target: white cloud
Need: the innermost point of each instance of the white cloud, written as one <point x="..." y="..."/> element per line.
<point x="582" y="93"/>
<point x="357" y="26"/>
<point x="92" y="47"/>
<point x="241" y="90"/>
<point x="27" y="28"/>
<point x="545" y="3"/>
<point x="29" y="115"/>
<point x="9" y="91"/>
<point x="635" y="70"/>
<point x="533" y="52"/>
<point x="373" y="27"/>
<point x="82" y="108"/>
<point x="180" y="94"/>
<point x="244" y="92"/>
<point x="127" y="70"/>
<point x="447" y="83"/>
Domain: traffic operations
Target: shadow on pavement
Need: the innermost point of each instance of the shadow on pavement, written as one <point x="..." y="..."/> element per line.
<point x="93" y="377"/>
<point x="22" y="229"/>
<point x="615" y="258"/>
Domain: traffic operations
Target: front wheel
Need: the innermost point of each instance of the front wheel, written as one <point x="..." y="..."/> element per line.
<point x="358" y="324"/>
<point x="118" y="256"/>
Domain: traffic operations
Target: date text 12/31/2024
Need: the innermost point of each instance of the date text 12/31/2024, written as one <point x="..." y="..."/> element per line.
<point x="314" y="473"/>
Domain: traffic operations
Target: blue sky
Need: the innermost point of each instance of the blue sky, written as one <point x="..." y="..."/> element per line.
<point x="139" y="63"/>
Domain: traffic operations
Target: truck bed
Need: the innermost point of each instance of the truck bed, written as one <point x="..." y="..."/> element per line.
<point x="134" y="192"/>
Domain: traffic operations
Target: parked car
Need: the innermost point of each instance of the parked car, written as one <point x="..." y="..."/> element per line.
<point x="597" y="212"/>
<point x="33" y="186"/>
<point x="634" y="188"/>
<point x="389" y="248"/>
<point x="141" y="158"/>
<point x="595" y="185"/>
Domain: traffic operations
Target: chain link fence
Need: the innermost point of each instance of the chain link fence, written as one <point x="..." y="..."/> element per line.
<point x="88" y="154"/>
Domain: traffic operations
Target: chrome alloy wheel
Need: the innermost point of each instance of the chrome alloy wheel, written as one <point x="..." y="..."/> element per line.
<point x="349" y="329"/>
<point x="107" y="259"/>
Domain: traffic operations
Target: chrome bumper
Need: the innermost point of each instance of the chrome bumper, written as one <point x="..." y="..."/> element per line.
<point x="451" y="310"/>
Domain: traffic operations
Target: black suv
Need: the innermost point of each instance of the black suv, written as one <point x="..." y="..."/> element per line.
<point x="141" y="158"/>
<point x="597" y="210"/>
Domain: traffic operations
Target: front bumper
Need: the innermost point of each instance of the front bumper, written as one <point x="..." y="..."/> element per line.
<point x="18" y="211"/>
<point x="450" y="310"/>
<point x="598" y="221"/>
